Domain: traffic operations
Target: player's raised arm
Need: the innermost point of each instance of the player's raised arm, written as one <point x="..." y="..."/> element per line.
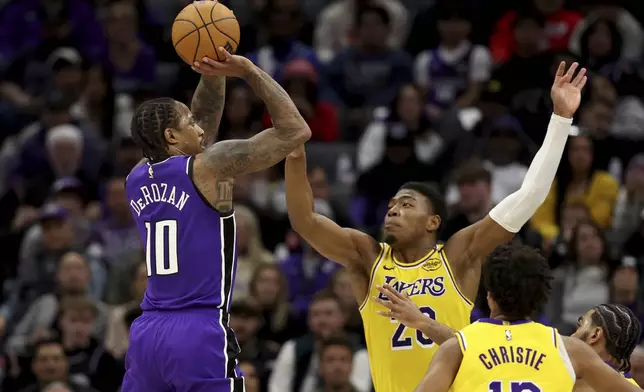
<point x="588" y="365"/>
<point x="207" y="106"/>
<point x="227" y="159"/>
<point x="443" y="368"/>
<point x="345" y="246"/>
<point x="472" y="244"/>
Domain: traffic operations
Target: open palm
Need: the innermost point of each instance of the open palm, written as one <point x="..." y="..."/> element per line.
<point x="566" y="89"/>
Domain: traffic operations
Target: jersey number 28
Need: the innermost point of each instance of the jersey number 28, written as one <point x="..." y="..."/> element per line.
<point x="398" y="342"/>
<point x="515" y="386"/>
<point x="166" y="261"/>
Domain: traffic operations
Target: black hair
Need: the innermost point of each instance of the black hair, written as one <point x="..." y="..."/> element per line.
<point x="519" y="280"/>
<point x="574" y="238"/>
<point x="336" y="340"/>
<point x="529" y="14"/>
<point x="431" y="193"/>
<point x="149" y="123"/>
<point x="372" y="9"/>
<point x="622" y="330"/>
<point x="35" y="347"/>
<point x="616" y="44"/>
<point x="326" y="295"/>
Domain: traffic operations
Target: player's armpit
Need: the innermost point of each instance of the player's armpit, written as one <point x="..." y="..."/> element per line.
<point x="342" y="245"/>
<point x="443" y="368"/>
<point x="588" y="366"/>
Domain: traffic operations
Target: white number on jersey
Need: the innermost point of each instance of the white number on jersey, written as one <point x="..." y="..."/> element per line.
<point x="165" y="247"/>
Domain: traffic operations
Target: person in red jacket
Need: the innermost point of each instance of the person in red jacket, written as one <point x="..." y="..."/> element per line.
<point x="559" y="26"/>
<point x="300" y="80"/>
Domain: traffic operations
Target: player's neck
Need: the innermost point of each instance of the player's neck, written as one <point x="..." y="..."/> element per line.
<point x="411" y="254"/>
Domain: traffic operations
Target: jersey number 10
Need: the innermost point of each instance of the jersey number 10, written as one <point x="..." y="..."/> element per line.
<point x="515" y="386"/>
<point x="166" y="261"/>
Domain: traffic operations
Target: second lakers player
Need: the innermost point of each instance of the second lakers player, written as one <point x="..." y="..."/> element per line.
<point x="510" y="353"/>
<point x="440" y="280"/>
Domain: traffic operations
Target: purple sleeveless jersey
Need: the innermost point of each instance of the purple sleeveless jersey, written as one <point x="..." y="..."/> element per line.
<point x="190" y="254"/>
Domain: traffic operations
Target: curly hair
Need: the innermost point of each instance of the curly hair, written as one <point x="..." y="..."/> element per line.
<point x="519" y="280"/>
<point x="622" y="330"/>
<point x="149" y="123"/>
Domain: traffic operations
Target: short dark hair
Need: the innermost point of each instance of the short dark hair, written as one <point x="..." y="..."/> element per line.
<point x="529" y="14"/>
<point x="149" y="123"/>
<point x="431" y="192"/>
<point x="336" y="340"/>
<point x="77" y="304"/>
<point x="472" y="172"/>
<point x="36" y="346"/>
<point x="519" y="280"/>
<point x="622" y="330"/>
<point x="245" y="307"/>
<point x="372" y="9"/>
<point x="324" y="295"/>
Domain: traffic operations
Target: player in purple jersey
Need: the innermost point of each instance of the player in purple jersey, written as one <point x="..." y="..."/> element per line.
<point x="181" y="199"/>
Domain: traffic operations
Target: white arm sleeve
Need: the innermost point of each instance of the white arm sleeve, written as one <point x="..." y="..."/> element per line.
<point x="516" y="209"/>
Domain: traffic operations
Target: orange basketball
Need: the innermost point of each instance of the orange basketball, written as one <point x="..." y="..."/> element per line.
<point x="201" y="28"/>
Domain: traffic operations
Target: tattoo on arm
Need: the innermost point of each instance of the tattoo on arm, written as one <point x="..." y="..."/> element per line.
<point x="208" y="105"/>
<point x="224" y="201"/>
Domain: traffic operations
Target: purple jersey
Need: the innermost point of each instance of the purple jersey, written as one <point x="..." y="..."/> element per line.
<point x="189" y="246"/>
<point x="448" y="80"/>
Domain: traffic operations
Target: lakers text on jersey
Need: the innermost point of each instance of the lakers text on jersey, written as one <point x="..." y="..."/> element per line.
<point x="399" y="356"/>
<point x="519" y="356"/>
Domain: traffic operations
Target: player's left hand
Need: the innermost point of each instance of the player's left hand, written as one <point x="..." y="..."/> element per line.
<point x="566" y="89"/>
<point x="400" y="307"/>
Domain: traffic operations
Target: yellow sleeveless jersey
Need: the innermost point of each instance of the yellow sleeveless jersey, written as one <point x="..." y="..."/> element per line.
<point x="399" y="356"/>
<point x="522" y="356"/>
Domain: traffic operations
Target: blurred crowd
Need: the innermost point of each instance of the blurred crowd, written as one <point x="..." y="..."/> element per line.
<point x="455" y="92"/>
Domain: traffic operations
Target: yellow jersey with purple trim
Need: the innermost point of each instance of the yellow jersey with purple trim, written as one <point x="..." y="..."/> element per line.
<point x="518" y="356"/>
<point x="399" y="356"/>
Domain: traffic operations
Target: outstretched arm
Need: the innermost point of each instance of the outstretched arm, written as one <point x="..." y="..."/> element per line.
<point x="345" y="246"/>
<point x="443" y="368"/>
<point x="208" y="106"/>
<point x="588" y="365"/>
<point x="472" y="244"/>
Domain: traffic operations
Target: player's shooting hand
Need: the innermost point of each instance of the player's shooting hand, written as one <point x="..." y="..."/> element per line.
<point x="566" y="89"/>
<point x="400" y="307"/>
<point x="232" y="65"/>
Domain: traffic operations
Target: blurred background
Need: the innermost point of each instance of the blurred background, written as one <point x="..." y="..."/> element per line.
<point x="453" y="92"/>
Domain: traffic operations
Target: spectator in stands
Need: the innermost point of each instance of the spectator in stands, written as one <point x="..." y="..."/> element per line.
<point x="89" y="363"/>
<point x="629" y="28"/>
<point x="29" y="24"/>
<point x="601" y="46"/>
<point x="624" y="287"/>
<point x="368" y="74"/>
<point x="572" y="215"/>
<point x="97" y="108"/>
<point x="119" y="234"/>
<point x="454" y="73"/>
<point x="301" y="81"/>
<point x="282" y="46"/>
<point x="117" y="332"/>
<point x="250" y="249"/>
<point x="630" y="202"/>
<point x="268" y="288"/>
<point x="334" y="27"/>
<point x="559" y="25"/>
<point x="406" y="111"/>
<point x="251" y="377"/>
<point x="297" y="366"/>
<point x="340" y="285"/>
<point x="240" y="114"/>
<point x="336" y="365"/>
<point x="583" y="281"/>
<point x="577" y="180"/>
<point x="50" y="365"/>
<point x="131" y="61"/>
<point x="67" y="73"/>
<point x="72" y="278"/>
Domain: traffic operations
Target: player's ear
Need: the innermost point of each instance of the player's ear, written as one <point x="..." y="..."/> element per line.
<point x="433" y="223"/>
<point x="170" y="135"/>
<point x="596" y="333"/>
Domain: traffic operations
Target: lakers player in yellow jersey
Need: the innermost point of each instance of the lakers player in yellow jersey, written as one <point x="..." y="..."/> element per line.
<point x="510" y="353"/>
<point x="613" y="332"/>
<point x="441" y="280"/>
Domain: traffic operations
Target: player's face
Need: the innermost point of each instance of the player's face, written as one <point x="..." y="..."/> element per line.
<point x="50" y="363"/>
<point x="188" y="138"/>
<point x="408" y="217"/>
<point x="336" y="365"/>
<point x="586" y="330"/>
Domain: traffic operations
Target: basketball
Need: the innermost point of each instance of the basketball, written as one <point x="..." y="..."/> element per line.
<point x="201" y="28"/>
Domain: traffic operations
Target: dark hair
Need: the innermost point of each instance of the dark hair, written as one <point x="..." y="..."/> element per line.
<point x="471" y="172"/>
<point x="431" y="193"/>
<point x="149" y="123"/>
<point x="372" y="9"/>
<point x="336" y="340"/>
<point x="616" y="44"/>
<point x="529" y="14"/>
<point x="35" y="347"/>
<point x="326" y="295"/>
<point x="572" y="247"/>
<point x="519" y="280"/>
<point x="564" y="175"/>
<point x="622" y="330"/>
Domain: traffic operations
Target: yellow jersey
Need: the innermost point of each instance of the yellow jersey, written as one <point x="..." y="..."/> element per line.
<point x="521" y="356"/>
<point x="399" y="356"/>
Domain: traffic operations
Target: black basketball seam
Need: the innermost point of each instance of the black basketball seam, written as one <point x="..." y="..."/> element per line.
<point x="215" y="26"/>
<point x="207" y="31"/>
<point x="187" y="35"/>
<point x="219" y="20"/>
